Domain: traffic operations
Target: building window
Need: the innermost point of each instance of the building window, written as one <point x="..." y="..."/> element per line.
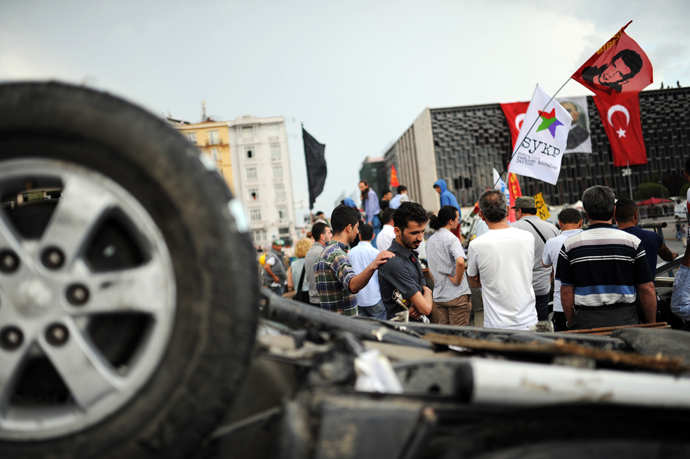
<point x="251" y="173"/>
<point x="249" y="152"/>
<point x="278" y="173"/>
<point x="213" y="137"/>
<point x="247" y="132"/>
<point x="275" y="151"/>
<point x="282" y="214"/>
<point x="214" y="153"/>
<point x="280" y="193"/>
<point x="253" y="194"/>
<point x="191" y="136"/>
<point x="255" y="215"/>
<point x="273" y="129"/>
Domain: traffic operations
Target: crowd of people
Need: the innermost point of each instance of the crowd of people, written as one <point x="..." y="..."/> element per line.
<point x="365" y="261"/>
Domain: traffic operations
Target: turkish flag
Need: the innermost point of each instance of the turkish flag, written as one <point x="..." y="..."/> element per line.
<point x="618" y="71"/>
<point x="515" y="115"/>
<point x="624" y="130"/>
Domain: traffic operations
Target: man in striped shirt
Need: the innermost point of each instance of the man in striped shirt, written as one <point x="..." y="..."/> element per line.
<point x="603" y="269"/>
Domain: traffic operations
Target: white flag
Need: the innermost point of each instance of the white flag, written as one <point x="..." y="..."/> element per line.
<point x="539" y="149"/>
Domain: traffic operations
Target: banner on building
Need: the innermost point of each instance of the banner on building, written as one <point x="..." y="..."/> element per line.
<point x="315" y="156"/>
<point x="542" y="210"/>
<point x="542" y="140"/>
<point x="624" y="130"/>
<point x="579" y="138"/>
<point x="617" y="71"/>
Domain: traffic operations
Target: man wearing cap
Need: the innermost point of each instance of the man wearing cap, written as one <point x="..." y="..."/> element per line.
<point x="274" y="268"/>
<point x="526" y="214"/>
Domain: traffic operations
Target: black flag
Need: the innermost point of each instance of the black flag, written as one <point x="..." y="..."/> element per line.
<point x="314" y="153"/>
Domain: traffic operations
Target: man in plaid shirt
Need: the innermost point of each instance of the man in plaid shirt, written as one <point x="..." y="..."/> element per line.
<point x="336" y="282"/>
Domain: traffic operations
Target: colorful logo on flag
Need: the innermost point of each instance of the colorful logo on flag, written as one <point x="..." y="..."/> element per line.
<point x="549" y="121"/>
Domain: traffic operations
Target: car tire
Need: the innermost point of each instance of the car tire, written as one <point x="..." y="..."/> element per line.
<point x="167" y="352"/>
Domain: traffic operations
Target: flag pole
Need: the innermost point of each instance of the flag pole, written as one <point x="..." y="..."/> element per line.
<point x="530" y="128"/>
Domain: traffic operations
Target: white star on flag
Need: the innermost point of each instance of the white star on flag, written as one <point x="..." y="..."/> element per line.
<point x="620" y="132"/>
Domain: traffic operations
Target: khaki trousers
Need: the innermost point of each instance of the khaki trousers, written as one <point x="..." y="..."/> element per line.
<point x="454" y="312"/>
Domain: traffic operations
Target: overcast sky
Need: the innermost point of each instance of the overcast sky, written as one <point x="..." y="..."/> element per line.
<point x="356" y="73"/>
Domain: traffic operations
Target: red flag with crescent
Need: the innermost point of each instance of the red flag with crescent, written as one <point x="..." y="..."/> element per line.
<point x="394" y="177"/>
<point x="617" y="71"/>
<point x="515" y="114"/>
<point x="624" y="130"/>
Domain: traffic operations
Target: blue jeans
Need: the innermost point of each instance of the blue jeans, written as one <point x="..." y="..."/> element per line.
<point x="680" y="301"/>
<point x="377" y="311"/>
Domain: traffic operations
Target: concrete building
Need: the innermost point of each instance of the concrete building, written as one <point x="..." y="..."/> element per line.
<point x="252" y="156"/>
<point x="262" y="176"/>
<point x="373" y="171"/>
<point x="212" y="139"/>
<point x="463" y="144"/>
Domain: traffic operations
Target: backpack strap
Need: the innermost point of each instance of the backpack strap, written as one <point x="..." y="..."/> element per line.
<point x="538" y="232"/>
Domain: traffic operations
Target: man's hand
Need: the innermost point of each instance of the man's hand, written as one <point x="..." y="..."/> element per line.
<point x="381" y="258"/>
<point x="459" y="271"/>
<point x="474" y="281"/>
<point x="268" y="269"/>
<point x="568" y="302"/>
<point x="647" y="296"/>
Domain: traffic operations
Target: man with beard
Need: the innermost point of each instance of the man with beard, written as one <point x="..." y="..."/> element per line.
<point x="336" y="281"/>
<point x="611" y="77"/>
<point x="403" y="272"/>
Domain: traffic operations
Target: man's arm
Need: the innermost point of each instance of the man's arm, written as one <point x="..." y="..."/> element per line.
<point x="268" y="269"/>
<point x="666" y="254"/>
<point x="568" y="301"/>
<point x="421" y="303"/>
<point x="474" y="281"/>
<point x="647" y="296"/>
<point x="459" y="271"/>
<point x="361" y="280"/>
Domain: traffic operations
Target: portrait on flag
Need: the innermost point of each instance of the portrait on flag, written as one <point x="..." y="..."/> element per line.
<point x="624" y="130"/>
<point x="618" y="70"/>
<point x="579" y="140"/>
<point x="542" y="140"/>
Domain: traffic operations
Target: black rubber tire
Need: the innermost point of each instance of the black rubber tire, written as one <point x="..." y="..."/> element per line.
<point x="213" y="257"/>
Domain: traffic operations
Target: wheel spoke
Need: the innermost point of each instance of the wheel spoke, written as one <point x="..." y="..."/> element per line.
<point x="141" y="290"/>
<point x="79" y="364"/>
<point x="11" y="364"/>
<point x="9" y="238"/>
<point x="79" y="211"/>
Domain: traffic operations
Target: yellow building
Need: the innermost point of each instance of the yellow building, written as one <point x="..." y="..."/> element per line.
<point x="212" y="139"/>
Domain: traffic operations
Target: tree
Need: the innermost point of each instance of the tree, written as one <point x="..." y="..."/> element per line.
<point x="684" y="189"/>
<point x="650" y="190"/>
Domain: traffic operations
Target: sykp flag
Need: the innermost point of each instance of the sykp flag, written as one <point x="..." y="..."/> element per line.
<point x="500" y="185"/>
<point x="542" y="140"/>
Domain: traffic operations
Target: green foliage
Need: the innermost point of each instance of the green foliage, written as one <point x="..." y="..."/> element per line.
<point x="684" y="190"/>
<point x="650" y="190"/>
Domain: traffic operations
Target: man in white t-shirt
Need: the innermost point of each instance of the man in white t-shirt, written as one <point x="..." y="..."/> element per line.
<point x="570" y="221"/>
<point x="500" y="262"/>
<point x="387" y="235"/>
